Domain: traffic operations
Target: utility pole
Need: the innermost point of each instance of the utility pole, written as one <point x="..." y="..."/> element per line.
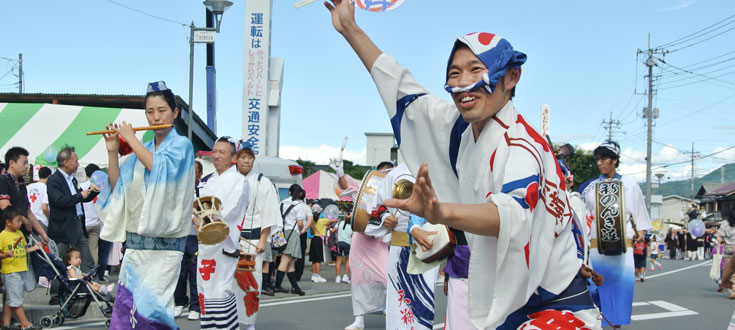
<point x="20" y="73"/>
<point x="610" y="123"/>
<point x="722" y="174"/>
<point x="649" y="113"/>
<point x="694" y="155"/>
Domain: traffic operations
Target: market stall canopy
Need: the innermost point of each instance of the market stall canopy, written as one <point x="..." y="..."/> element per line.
<point x="36" y="126"/>
<point x="323" y="184"/>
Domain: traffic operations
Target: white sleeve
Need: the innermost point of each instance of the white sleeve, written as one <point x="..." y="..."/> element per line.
<point x="426" y="127"/>
<point x="638" y="208"/>
<point x="43" y="196"/>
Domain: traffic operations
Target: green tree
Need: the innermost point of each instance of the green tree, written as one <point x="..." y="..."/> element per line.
<point x="583" y="166"/>
<point x="307" y="165"/>
<point x="354" y="170"/>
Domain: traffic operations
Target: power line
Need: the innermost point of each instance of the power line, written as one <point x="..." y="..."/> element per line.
<point x="694" y="34"/>
<point x="694" y="73"/>
<point x="686" y="161"/>
<point x="145" y="13"/>
<point x="703" y="40"/>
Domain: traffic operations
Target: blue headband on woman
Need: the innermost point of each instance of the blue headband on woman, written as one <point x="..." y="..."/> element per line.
<point x="157" y="86"/>
<point x="495" y="52"/>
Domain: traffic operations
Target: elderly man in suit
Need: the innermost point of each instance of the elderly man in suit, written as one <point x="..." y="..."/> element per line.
<point x="67" y="221"/>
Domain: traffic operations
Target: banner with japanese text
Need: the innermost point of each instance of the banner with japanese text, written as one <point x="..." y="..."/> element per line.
<point x="256" y="78"/>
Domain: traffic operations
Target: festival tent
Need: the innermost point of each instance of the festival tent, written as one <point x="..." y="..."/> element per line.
<point x="323" y="184"/>
<point x="37" y="126"/>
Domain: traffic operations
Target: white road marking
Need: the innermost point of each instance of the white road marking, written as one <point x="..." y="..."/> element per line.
<point x="679" y="270"/>
<point x="438" y="326"/>
<point x="294" y="301"/>
<point x="672" y="310"/>
<point x="668" y="306"/>
<point x="661" y="315"/>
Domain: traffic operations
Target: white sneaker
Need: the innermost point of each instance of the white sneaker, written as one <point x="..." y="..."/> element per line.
<point x="346" y="279"/>
<point x="354" y="326"/>
<point x="320" y="279"/>
<point x="178" y="310"/>
<point x="337" y="279"/>
<point x="193" y="316"/>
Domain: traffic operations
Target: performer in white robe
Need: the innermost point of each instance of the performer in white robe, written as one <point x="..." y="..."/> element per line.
<point x="523" y="269"/>
<point x="368" y="260"/>
<point x="217" y="263"/>
<point x="147" y="202"/>
<point x="409" y="301"/>
<point x="616" y="292"/>
<point x="261" y="217"/>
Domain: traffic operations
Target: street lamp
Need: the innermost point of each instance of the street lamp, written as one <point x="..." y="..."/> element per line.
<point x="205" y="35"/>
<point x="659" y="176"/>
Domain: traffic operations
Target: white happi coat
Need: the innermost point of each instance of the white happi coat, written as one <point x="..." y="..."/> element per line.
<point x="509" y="165"/>
<point x="262" y="212"/>
<point x="215" y="280"/>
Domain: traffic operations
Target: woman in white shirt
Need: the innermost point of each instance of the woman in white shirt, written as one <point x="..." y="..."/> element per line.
<point x="293" y="215"/>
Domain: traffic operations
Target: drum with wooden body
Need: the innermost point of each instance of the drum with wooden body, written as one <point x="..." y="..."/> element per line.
<point x="610" y="216"/>
<point x="365" y="200"/>
<point x="212" y="229"/>
<point x="443" y="243"/>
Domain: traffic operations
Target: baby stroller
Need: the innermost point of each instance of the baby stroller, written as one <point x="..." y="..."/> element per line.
<point x="75" y="295"/>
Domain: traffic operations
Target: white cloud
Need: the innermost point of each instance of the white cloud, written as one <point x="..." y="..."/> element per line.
<point x="321" y="154"/>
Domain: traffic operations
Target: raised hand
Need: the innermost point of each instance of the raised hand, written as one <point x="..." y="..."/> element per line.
<point x="126" y="131"/>
<point x="112" y="142"/>
<point x="343" y="14"/>
<point x="338" y="166"/>
<point x="423" y="201"/>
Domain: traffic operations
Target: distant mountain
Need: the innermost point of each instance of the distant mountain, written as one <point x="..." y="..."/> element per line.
<point x="683" y="187"/>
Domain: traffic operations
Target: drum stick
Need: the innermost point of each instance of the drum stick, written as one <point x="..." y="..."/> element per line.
<point x="17" y="242"/>
<point x="135" y="129"/>
<point x="246" y="241"/>
<point x="302" y="3"/>
<point x="342" y="149"/>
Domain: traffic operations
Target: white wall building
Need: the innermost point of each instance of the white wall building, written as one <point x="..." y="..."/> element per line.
<point x="381" y="147"/>
<point x="674" y="208"/>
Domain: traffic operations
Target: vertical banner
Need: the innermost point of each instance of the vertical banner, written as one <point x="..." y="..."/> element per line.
<point x="255" y="78"/>
<point x="545" y="119"/>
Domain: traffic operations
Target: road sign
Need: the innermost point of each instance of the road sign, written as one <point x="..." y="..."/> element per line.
<point x="204" y="36"/>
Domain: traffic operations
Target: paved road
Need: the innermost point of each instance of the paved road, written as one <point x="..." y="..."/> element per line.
<point x="681" y="296"/>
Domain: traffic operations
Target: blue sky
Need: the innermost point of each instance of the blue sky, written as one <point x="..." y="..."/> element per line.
<point x="581" y="60"/>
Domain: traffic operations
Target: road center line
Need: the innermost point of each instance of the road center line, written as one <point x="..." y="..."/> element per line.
<point x="678" y="270"/>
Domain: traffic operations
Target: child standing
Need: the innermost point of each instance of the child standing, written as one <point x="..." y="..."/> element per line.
<point x="73" y="260"/>
<point x="639" y="259"/>
<point x="654" y="253"/>
<point x="13" y="254"/>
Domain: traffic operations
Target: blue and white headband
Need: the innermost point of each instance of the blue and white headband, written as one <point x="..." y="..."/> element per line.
<point x="243" y="144"/>
<point x="157" y="86"/>
<point x="609" y="145"/>
<point x="495" y="52"/>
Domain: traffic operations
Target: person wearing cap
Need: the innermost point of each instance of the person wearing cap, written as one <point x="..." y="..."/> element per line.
<point x="494" y="180"/>
<point x="616" y="293"/>
<point x="217" y="281"/>
<point x="148" y="205"/>
<point x="262" y="215"/>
